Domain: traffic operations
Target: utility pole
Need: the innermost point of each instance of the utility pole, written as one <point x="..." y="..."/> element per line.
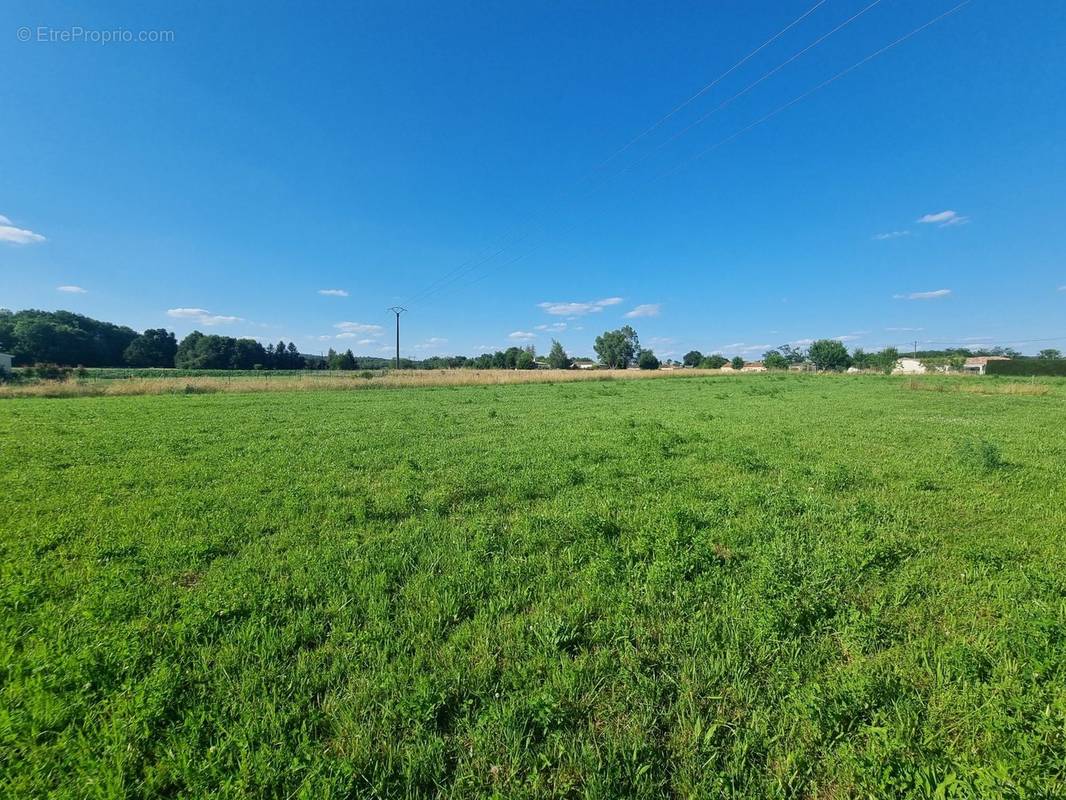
<point x="397" y="310"/>
<point x="915" y="348"/>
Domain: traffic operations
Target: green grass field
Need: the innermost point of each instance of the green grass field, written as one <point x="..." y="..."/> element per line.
<point x="748" y="586"/>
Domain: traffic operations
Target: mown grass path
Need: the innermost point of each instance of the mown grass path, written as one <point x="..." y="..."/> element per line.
<point x="749" y="586"/>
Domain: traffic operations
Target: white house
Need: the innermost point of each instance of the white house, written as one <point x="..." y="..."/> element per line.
<point x="977" y="364"/>
<point x="908" y="366"/>
<point x="5" y="362"/>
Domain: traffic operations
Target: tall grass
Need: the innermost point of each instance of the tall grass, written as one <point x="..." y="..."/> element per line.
<point x="978" y="385"/>
<point x="311" y="381"/>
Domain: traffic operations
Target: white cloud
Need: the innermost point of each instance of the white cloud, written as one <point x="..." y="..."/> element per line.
<point x="13" y="235"/>
<point x="933" y="295"/>
<point x="432" y="343"/>
<point x="644" y="310"/>
<point x="555" y="327"/>
<point x="579" y="309"/>
<point x="202" y="316"/>
<point x="524" y="336"/>
<point x="881" y="237"/>
<point x="744" y="347"/>
<point x="72" y="289"/>
<point x="904" y="330"/>
<point x="943" y="219"/>
<point x="850" y="337"/>
<point x="365" y="341"/>
<point x="354" y="328"/>
<point x="333" y="292"/>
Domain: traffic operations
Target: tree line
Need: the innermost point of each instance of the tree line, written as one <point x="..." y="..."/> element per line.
<point x="62" y="337"/>
<point x="66" y="338"/>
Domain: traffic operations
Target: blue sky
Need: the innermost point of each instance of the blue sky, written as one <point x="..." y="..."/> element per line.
<point x="222" y="180"/>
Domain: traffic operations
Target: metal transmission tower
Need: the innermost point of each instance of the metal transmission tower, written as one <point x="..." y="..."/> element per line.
<point x="397" y="310"/>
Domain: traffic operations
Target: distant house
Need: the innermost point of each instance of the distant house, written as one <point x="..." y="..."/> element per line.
<point x="5" y="362"/>
<point x="976" y="364"/>
<point x="753" y="366"/>
<point x="908" y="366"/>
<point x="803" y="366"/>
<point x="584" y="365"/>
<point x="727" y="367"/>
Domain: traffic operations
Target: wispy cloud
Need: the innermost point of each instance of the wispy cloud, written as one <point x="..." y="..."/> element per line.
<point x="881" y="237"/>
<point x="1062" y="289"/>
<point x="333" y="292"/>
<point x="72" y="289"/>
<point x="579" y="309"/>
<point x="203" y="316"/>
<point x="943" y="219"/>
<point x="933" y="295"/>
<point x="352" y="329"/>
<point x="14" y="235"/>
<point x="904" y="330"/>
<point x="743" y="347"/>
<point x="644" y="310"/>
<point x="432" y="343"/>
<point x="555" y="327"/>
<point x="523" y="336"/>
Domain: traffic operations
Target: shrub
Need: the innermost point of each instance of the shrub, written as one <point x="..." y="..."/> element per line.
<point x="984" y="455"/>
<point x="647" y="360"/>
<point x="49" y="372"/>
<point x="1028" y="366"/>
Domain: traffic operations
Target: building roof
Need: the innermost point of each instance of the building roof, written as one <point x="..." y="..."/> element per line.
<point x="980" y="361"/>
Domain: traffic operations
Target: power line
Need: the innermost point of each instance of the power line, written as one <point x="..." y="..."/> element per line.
<point x="469" y="265"/>
<point x="730" y="138"/>
<point x="706" y="88"/>
<point x="819" y="87"/>
<point x="769" y="74"/>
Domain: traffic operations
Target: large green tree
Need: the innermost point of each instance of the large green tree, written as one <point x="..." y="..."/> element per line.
<point x="717" y="361"/>
<point x="647" y="360"/>
<point x="525" y="360"/>
<point x="617" y="349"/>
<point x="829" y="355"/>
<point x="62" y="337"/>
<point x="772" y="359"/>
<point x="692" y="358"/>
<point x="155" y="347"/>
<point x="557" y="357"/>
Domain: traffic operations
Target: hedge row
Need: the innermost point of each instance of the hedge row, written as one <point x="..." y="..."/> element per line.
<point x="1027" y="366"/>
